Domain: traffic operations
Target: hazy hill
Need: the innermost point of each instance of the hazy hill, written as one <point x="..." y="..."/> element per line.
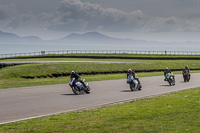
<point x="92" y="38"/>
<point x="13" y="38"/>
<point x="86" y="38"/>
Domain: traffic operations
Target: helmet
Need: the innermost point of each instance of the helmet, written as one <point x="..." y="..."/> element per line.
<point x="186" y="67"/>
<point x="166" y="68"/>
<point x="72" y="73"/>
<point x="129" y="71"/>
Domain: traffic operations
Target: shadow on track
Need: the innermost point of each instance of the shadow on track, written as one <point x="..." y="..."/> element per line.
<point x="68" y="94"/>
<point x="165" y="85"/>
<point x="128" y="91"/>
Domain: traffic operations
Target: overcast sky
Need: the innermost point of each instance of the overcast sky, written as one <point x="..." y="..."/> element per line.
<point x="159" y="20"/>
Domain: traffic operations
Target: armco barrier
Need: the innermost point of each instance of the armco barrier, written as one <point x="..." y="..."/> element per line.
<point x="42" y="53"/>
<point x="113" y="57"/>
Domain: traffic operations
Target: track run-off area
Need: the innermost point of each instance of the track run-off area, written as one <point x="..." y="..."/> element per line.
<point x="24" y="103"/>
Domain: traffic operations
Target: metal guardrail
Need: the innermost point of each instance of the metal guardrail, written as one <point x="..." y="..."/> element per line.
<point x="100" y="52"/>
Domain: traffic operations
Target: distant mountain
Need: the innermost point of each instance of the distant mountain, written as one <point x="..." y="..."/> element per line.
<point x="13" y="38"/>
<point x="91" y="38"/>
<point x="86" y="38"/>
<point x="74" y="38"/>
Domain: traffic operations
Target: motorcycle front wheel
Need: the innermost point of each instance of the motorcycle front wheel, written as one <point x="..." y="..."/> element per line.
<point x="76" y="90"/>
<point x="185" y="78"/>
<point x="132" y="86"/>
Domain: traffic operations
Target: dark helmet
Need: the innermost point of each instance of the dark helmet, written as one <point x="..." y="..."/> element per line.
<point x="186" y="67"/>
<point x="72" y="73"/>
<point x="129" y="71"/>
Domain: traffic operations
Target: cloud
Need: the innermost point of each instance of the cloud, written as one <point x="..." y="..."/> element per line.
<point x="2" y="15"/>
<point x="6" y="10"/>
<point x="75" y="15"/>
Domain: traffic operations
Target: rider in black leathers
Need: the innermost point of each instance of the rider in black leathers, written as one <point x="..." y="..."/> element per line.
<point x="77" y="77"/>
<point x="165" y="73"/>
<point x="187" y="70"/>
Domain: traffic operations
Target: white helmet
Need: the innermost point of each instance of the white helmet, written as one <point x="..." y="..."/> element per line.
<point x="72" y="72"/>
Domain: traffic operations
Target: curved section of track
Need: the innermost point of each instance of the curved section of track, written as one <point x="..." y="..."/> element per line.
<point x="31" y="102"/>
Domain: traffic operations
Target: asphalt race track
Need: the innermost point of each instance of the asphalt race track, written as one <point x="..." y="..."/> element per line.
<point x="30" y="102"/>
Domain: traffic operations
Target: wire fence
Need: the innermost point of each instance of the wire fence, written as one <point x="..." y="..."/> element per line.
<point x="100" y="52"/>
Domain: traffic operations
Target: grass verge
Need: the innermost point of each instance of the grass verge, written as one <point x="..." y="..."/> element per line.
<point x="20" y="82"/>
<point x="10" y="77"/>
<point x="175" y="112"/>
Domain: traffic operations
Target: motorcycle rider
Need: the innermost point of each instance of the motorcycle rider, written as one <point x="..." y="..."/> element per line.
<point x="187" y="70"/>
<point x="77" y="77"/>
<point x="135" y="78"/>
<point x="166" y="71"/>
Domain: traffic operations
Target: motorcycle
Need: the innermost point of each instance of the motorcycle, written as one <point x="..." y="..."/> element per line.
<point x="170" y="78"/>
<point x="132" y="82"/>
<point x="78" y="87"/>
<point x="186" y="76"/>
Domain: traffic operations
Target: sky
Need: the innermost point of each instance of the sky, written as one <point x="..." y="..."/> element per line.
<point x="155" y="20"/>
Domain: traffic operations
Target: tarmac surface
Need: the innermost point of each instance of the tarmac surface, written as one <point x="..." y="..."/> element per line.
<point x="18" y="104"/>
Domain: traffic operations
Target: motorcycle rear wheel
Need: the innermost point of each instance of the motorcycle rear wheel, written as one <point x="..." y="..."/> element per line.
<point x="87" y="90"/>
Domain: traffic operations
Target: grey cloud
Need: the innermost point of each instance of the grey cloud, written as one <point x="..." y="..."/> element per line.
<point x="75" y="15"/>
<point x="2" y="15"/>
<point x="6" y="10"/>
<point x="93" y="16"/>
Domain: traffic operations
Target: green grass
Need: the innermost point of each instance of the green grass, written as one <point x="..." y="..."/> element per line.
<point x="20" y="82"/>
<point x="176" y="112"/>
<point x="51" y="68"/>
<point x="172" y="113"/>
<point x="11" y="76"/>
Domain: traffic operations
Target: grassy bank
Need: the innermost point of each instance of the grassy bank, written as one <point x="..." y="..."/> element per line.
<point x="11" y="76"/>
<point x="50" y="68"/>
<point x="176" y="112"/>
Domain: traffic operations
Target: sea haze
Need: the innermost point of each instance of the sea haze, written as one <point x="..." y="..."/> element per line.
<point x="11" y="43"/>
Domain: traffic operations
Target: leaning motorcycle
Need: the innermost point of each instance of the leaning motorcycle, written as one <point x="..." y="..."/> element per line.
<point x="132" y="82"/>
<point x="186" y="76"/>
<point x="78" y="87"/>
<point x="170" y="79"/>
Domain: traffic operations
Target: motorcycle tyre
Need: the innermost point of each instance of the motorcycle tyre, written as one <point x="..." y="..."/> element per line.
<point x="76" y="92"/>
<point x="87" y="90"/>
<point x="188" y="79"/>
<point x="185" y="79"/>
<point x="170" y="83"/>
<point x="140" y="87"/>
<point x="132" y="86"/>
